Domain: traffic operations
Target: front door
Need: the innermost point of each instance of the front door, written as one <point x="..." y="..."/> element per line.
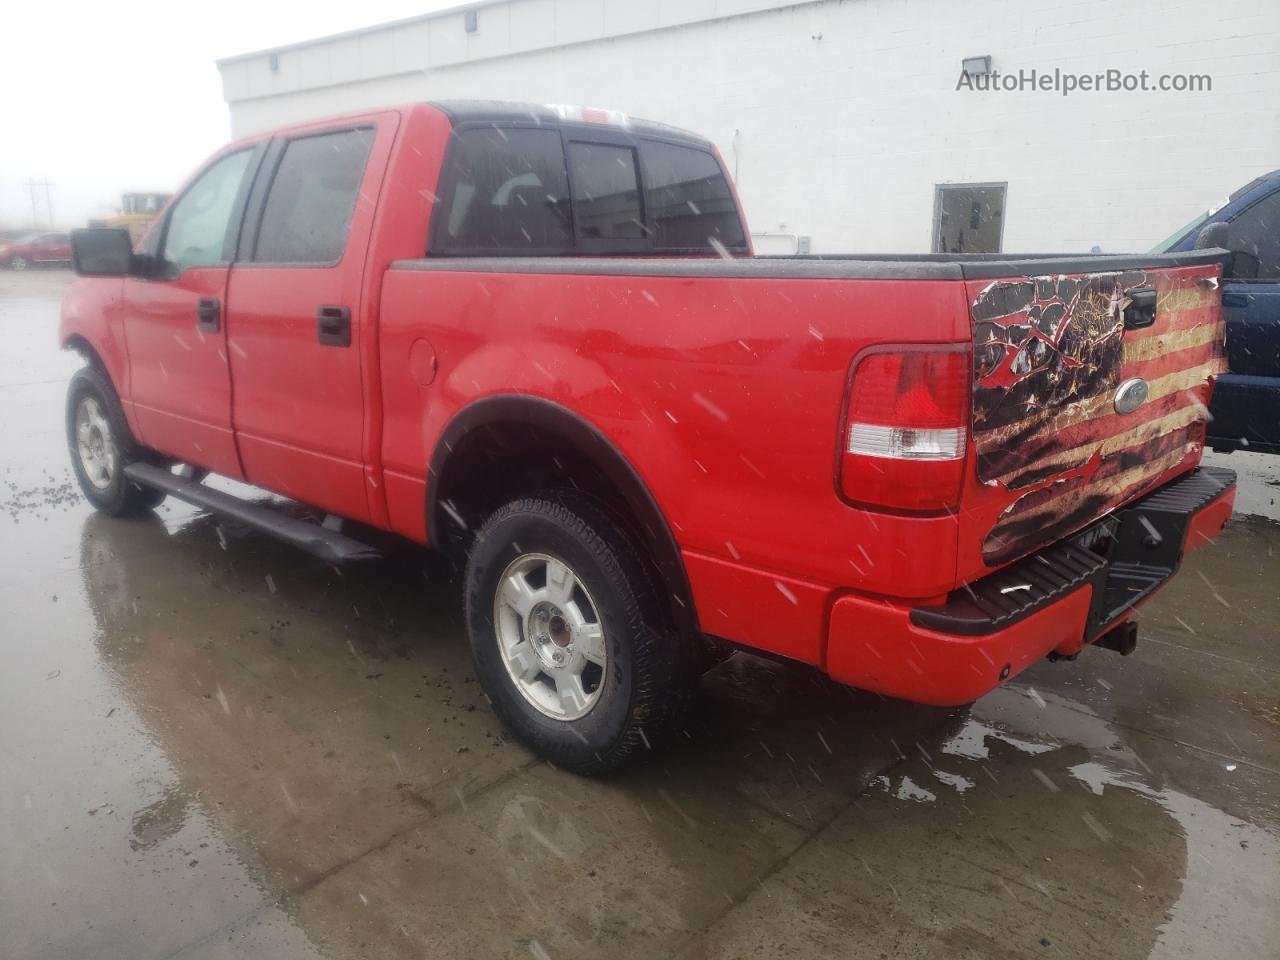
<point x="296" y="325"/>
<point x="175" y="330"/>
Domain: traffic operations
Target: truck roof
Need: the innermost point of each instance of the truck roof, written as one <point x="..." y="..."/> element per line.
<point x="1256" y="181"/>
<point x="551" y="114"/>
<point x="498" y="112"/>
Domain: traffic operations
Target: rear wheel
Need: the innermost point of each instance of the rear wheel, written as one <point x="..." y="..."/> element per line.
<point x="101" y="446"/>
<point x="571" y="640"/>
<point x="19" y="263"/>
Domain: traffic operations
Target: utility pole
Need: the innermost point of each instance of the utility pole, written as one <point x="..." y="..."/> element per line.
<point x="41" y="202"/>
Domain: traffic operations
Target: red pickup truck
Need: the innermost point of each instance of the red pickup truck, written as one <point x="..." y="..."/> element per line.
<point x="537" y="338"/>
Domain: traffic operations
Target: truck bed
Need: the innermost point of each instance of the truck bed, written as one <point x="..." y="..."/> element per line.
<point x="726" y="394"/>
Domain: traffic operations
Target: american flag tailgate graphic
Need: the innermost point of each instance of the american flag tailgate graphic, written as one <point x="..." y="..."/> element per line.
<point x="1050" y="355"/>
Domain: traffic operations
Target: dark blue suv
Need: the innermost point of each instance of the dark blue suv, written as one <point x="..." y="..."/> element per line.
<point x="1246" y="401"/>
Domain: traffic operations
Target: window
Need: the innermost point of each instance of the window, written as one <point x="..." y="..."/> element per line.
<point x="688" y="198"/>
<point x="606" y="192"/>
<point x="506" y="189"/>
<point x="968" y="217"/>
<point x="313" y="197"/>
<point x="1257" y="232"/>
<point x="196" y="232"/>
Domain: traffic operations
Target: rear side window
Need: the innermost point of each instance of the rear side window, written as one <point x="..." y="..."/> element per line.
<point x="313" y="198"/>
<point x="689" y="200"/>
<point x="506" y="189"/>
<point x="606" y="192"/>
<point x="526" y="191"/>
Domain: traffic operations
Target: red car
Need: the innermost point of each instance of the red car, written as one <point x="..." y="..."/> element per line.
<point x="537" y="339"/>
<point x="40" y="249"/>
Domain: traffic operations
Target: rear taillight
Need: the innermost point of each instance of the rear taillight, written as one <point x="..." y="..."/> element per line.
<point x="905" y="433"/>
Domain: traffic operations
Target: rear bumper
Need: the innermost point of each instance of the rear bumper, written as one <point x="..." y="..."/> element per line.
<point x="1057" y="600"/>
<point x="1246" y="413"/>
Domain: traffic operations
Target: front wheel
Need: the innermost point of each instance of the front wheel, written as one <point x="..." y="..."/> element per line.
<point x="571" y="641"/>
<point x="19" y="263"/>
<point x="101" y="446"/>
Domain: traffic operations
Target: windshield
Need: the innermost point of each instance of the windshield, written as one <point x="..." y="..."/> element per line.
<point x="1167" y="244"/>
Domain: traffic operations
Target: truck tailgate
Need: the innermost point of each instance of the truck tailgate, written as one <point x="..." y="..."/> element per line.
<point x="1089" y="390"/>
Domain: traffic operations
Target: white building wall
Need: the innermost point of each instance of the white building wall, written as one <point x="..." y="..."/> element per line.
<point x="840" y="116"/>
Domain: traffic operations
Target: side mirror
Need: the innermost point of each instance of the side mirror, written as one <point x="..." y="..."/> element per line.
<point x="1214" y="235"/>
<point x="102" y="252"/>
<point x="1240" y="265"/>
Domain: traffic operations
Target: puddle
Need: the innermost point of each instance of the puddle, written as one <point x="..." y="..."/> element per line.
<point x="1225" y="886"/>
<point x="1228" y="866"/>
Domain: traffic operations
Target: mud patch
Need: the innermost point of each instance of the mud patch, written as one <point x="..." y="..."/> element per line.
<point x="160" y="819"/>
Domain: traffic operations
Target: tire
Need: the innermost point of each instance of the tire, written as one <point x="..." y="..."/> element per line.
<point x="606" y="620"/>
<point x="101" y="446"/>
<point x="19" y="263"/>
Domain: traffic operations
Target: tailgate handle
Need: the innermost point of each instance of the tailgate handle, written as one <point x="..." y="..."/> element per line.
<point x="1141" y="311"/>
<point x="333" y="326"/>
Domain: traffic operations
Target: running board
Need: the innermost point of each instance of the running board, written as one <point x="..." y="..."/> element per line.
<point x="320" y="541"/>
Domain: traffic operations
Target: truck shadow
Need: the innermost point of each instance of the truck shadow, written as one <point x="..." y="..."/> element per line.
<point x="398" y="621"/>
<point x="331" y="727"/>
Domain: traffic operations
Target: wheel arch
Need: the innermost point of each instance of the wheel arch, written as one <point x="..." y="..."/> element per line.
<point x="78" y="343"/>
<point x="466" y="437"/>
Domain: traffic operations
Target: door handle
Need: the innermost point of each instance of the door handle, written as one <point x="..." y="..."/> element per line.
<point x="333" y="326"/>
<point x="1236" y="299"/>
<point x="209" y="315"/>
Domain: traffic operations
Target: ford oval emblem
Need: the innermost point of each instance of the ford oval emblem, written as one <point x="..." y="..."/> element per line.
<point x="1131" y="395"/>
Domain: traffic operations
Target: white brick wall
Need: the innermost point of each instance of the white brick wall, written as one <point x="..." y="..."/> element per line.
<point x="840" y="116"/>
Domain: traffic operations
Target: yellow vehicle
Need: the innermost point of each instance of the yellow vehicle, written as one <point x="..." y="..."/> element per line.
<point x="137" y="210"/>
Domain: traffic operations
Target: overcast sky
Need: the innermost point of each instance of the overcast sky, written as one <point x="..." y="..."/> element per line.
<point x="104" y="97"/>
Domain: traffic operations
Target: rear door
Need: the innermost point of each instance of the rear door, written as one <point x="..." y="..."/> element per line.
<point x="179" y="382"/>
<point x="296" y="322"/>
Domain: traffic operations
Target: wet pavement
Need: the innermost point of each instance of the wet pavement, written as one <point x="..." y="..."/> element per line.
<point x="213" y="746"/>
